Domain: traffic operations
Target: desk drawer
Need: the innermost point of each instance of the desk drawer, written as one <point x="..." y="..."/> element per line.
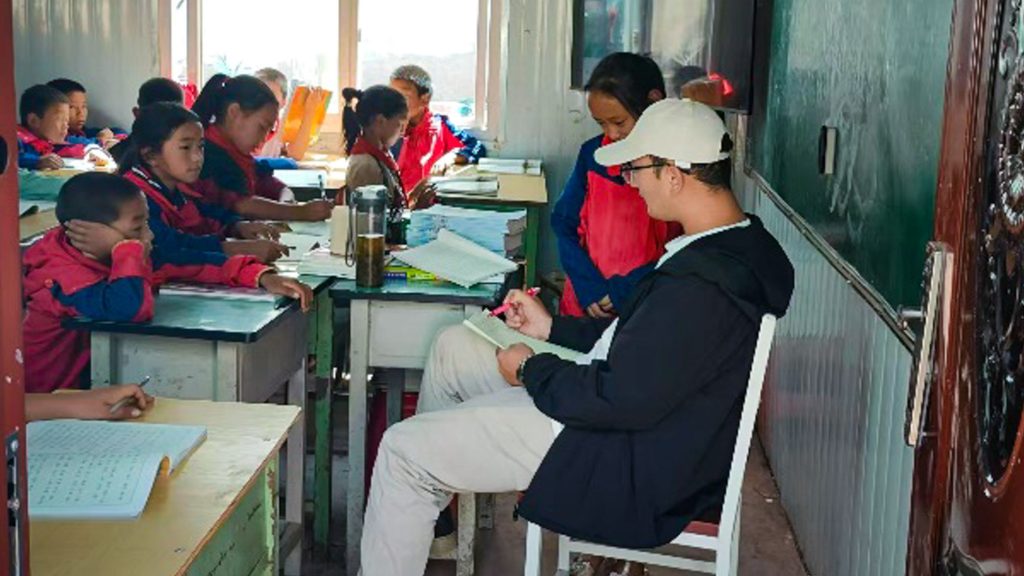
<point x="401" y="333"/>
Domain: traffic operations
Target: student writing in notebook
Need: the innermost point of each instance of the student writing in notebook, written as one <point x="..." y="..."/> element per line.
<point x="101" y="263"/>
<point x="431" y="143"/>
<point x="43" y="133"/>
<point x="88" y="404"/>
<point x="606" y="239"/>
<point x="237" y="114"/>
<point x="164" y="161"/>
<point x="632" y="441"/>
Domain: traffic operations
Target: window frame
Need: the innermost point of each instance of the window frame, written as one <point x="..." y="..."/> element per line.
<point x="490" y="65"/>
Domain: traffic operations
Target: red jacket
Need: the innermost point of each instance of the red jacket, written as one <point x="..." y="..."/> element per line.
<point x="182" y="209"/>
<point x="60" y="282"/>
<point x="230" y="175"/>
<point x="425" y="143"/>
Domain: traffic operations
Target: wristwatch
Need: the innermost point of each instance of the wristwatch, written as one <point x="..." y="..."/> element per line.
<point x="521" y="368"/>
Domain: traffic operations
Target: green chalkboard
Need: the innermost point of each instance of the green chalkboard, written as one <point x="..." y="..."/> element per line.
<point x="876" y="71"/>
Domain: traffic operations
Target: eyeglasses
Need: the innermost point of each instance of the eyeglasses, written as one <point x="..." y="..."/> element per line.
<point x="628" y="169"/>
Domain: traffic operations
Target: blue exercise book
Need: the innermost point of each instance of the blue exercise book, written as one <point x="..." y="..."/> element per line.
<point x="89" y="470"/>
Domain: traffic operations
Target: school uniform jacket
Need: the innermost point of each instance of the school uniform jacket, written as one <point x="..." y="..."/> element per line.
<point x="649" y="432"/>
<point x="60" y="282"/>
<point x="31" y="148"/>
<point x="181" y="215"/>
<point x="230" y="175"/>
<point x="426" y="142"/>
<point x="606" y="239"/>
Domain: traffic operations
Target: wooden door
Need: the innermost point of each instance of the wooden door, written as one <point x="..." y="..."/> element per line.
<point x="968" y="500"/>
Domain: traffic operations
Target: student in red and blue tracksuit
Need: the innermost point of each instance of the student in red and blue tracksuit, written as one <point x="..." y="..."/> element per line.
<point x="43" y="133"/>
<point x="101" y="263"/>
<point x="606" y="240"/>
<point x="164" y="159"/>
<point x="430" y="139"/>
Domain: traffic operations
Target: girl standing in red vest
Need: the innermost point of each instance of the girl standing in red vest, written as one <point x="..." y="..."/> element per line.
<point x="606" y="239"/>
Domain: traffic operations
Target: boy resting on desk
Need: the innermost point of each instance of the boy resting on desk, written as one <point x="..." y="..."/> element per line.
<point x="43" y="133"/>
<point x="101" y="263"/>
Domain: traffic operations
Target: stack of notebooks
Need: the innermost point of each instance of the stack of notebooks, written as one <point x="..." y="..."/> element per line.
<point x="481" y="186"/>
<point x="498" y="232"/>
<point x="101" y="470"/>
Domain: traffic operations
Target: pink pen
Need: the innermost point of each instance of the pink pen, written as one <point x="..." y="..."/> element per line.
<point x="504" y="307"/>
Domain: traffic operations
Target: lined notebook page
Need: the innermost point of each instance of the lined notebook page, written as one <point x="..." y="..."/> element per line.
<point x="88" y="469"/>
<point x="496" y="332"/>
<point x="456" y="259"/>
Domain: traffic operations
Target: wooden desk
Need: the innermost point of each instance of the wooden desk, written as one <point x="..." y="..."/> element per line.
<point x="217" y="515"/>
<point x="210" y="349"/>
<point x="515" y="192"/>
<point x="36" y="224"/>
<point x="392" y="327"/>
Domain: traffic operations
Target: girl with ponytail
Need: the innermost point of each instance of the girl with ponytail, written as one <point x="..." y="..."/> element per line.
<point x="237" y="114"/>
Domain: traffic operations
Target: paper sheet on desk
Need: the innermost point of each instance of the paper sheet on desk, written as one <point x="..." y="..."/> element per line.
<point x="299" y="245"/>
<point x="321" y="262"/>
<point x="456" y="259"/>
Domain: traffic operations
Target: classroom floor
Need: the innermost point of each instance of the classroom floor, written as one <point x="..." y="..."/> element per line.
<point x="767" y="545"/>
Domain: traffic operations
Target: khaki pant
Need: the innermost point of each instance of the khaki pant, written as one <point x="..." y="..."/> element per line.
<point x="473" y="433"/>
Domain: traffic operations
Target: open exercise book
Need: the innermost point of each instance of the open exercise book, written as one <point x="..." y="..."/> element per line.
<point x="456" y="259"/>
<point x="496" y="332"/>
<point x="81" y="469"/>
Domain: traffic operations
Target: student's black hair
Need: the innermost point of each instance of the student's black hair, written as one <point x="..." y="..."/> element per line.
<point x="716" y="174"/>
<point x="66" y="85"/>
<point x="94" y="197"/>
<point x="152" y="127"/>
<point x="370" y="103"/>
<point x="37" y="100"/>
<point x="629" y="78"/>
<point x="221" y="91"/>
<point x="160" y="90"/>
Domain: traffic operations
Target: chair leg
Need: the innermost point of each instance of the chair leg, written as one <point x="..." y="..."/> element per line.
<point x="485" y="511"/>
<point x="727" y="557"/>
<point x="563" y="554"/>
<point x="534" y="550"/>
<point x="464" y="561"/>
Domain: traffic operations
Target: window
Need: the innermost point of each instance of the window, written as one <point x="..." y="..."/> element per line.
<point x="442" y="41"/>
<point x="339" y="43"/>
<point x="300" y="39"/>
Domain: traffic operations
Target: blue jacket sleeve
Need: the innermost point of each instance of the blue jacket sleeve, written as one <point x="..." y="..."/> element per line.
<point x="472" y="148"/>
<point x="118" y="301"/>
<point x="621" y="287"/>
<point x="667" y="352"/>
<point x="27" y="156"/>
<point x="219" y="213"/>
<point x="587" y="280"/>
<point x="171" y="246"/>
<point x="82" y="140"/>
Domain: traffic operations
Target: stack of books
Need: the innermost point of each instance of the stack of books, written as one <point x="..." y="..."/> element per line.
<point x="498" y="232"/>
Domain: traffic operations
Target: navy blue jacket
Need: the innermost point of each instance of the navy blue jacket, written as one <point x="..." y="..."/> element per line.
<point x="649" y="432"/>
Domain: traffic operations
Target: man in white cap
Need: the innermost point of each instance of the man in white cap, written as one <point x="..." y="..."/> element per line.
<point x="633" y="441"/>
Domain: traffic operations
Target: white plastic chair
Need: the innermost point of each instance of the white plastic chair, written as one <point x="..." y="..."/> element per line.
<point x="722" y="539"/>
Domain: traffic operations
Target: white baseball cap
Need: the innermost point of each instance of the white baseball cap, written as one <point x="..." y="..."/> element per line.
<point x="684" y="131"/>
